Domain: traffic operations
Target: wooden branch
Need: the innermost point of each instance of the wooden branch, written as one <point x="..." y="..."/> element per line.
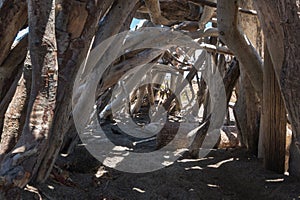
<point x="210" y="32"/>
<point x="216" y="49"/>
<point x="11" y="65"/>
<point x="214" y="5"/>
<point x="199" y="138"/>
<point x="229" y="81"/>
<point x="182" y="84"/>
<point x="187" y="26"/>
<point x="15" y="115"/>
<point x="231" y="77"/>
<point x="4" y="104"/>
<point x="113" y="75"/>
<point x="113" y="25"/>
<point x="13" y="17"/>
<point x="175" y="11"/>
<point x="207" y="14"/>
<point x="273" y="132"/>
<point x="71" y="51"/>
<point x="140" y="97"/>
<point x="238" y="42"/>
<point x="16" y="168"/>
<point x="204" y="3"/>
<point x="155" y="12"/>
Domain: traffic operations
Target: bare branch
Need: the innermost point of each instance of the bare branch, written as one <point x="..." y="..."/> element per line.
<point x="214" y="5"/>
<point x="13" y="16"/>
<point x="238" y="42"/>
<point x="155" y="12"/>
<point x="207" y="14"/>
<point x="216" y="49"/>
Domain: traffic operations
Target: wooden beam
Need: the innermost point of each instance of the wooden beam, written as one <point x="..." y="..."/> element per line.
<point x="214" y="5"/>
<point x="273" y="119"/>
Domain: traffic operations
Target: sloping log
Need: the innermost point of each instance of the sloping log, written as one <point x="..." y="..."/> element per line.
<point x="247" y="109"/>
<point x="199" y="138"/>
<point x="175" y="11"/>
<point x="281" y="25"/>
<point x="206" y="15"/>
<point x="229" y="80"/>
<point x="227" y="11"/>
<point x="71" y="52"/>
<point x="15" y="115"/>
<point x="115" y="72"/>
<point x="273" y="120"/>
<point x="105" y="30"/>
<point x="213" y="4"/>
<point x="20" y="165"/>
<point x="10" y="72"/>
<point x="247" y="114"/>
<point x="155" y="12"/>
<point x="13" y="16"/>
<point x="139" y="101"/>
<point x="11" y="65"/>
<point x="110" y="25"/>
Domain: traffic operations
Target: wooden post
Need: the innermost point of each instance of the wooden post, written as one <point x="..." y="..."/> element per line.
<point x="273" y="119"/>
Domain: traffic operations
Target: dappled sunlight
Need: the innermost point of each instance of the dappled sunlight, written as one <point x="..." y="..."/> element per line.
<point x="138" y="190"/>
<point x="195" y="160"/>
<point x="51" y="187"/>
<point x="276" y="180"/>
<point x="217" y="165"/>
<point x="213" y="185"/>
<point x="193" y="168"/>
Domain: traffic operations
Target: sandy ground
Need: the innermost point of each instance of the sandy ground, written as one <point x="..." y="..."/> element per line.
<point x="230" y="173"/>
<point x="223" y="174"/>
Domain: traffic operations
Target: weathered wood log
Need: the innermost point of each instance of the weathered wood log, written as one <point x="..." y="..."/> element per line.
<point x="231" y="77"/>
<point x="273" y="120"/>
<point x="238" y="42"/>
<point x="11" y="71"/>
<point x="118" y="8"/>
<point x="280" y="24"/>
<point x="206" y="15"/>
<point x="16" y="113"/>
<point x="13" y="16"/>
<point x="229" y="80"/>
<point x="113" y="74"/>
<point x="20" y="165"/>
<point x="247" y="109"/>
<point x="213" y="4"/>
<point x="174" y="11"/>
<point x="122" y="9"/>
<point x="71" y="53"/>
<point x="199" y="138"/>
<point x="155" y="12"/>
<point x="11" y="65"/>
<point x="141" y="92"/>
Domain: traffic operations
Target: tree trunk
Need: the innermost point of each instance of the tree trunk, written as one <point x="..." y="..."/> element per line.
<point x="21" y="165"/>
<point x="281" y="25"/>
<point x="247" y="108"/>
<point x="13" y="16"/>
<point x="16" y="113"/>
<point x="10" y="73"/>
<point x="238" y="43"/>
<point x="273" y="128"/>
<point x="73" y="44"/>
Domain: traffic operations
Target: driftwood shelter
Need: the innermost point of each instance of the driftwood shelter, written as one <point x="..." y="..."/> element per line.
<point x="253" y="46"/>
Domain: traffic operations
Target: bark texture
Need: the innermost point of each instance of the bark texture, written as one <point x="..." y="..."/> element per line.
<point x="238" y="42"/>
<point x="21" y="164"/>
<point x="281" y="24"/>
<point x="273" y="120"/>
<point x="13" y="16"/>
